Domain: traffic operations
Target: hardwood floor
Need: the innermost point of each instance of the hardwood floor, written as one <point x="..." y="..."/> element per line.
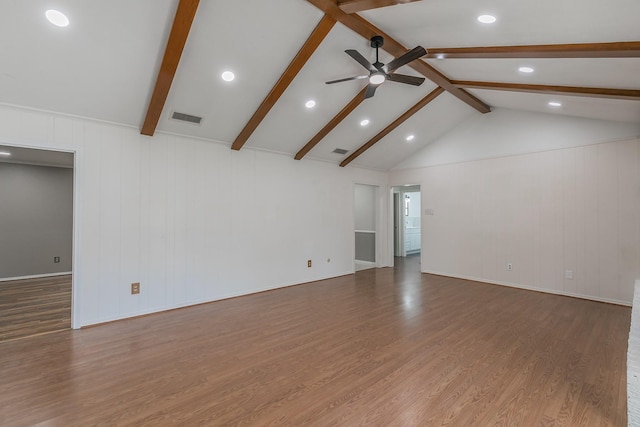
<point x="34" y="306"/>
<point x="384" y="347"/>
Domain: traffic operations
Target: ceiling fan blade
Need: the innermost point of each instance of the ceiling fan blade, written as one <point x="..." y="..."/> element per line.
<point x="361" y="59"/>
<point x="403" y="78"/>
<point x="371" y="90"/>
<point x="413" y="54"/>
<point x="346" y="79"/>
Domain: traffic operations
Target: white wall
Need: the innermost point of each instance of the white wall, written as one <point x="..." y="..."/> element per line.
<point x="365" y="197"/>
<point x="192" y="220"/>
<point x="506" y="132"/>
<point x="545" y="212"/>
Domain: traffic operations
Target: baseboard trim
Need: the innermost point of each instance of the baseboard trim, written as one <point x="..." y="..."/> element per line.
<point x="533" y="288"/>
<point x="35" y="276"/>
<point x="160" y="309"/>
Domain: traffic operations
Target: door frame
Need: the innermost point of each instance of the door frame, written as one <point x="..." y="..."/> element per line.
<point x="75" y="214"/>
<point x="359" y="264"/>
<point x="396" y="207"/>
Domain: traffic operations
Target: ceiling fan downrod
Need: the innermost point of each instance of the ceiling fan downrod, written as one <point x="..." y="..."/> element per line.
<point x="377" y="42"/>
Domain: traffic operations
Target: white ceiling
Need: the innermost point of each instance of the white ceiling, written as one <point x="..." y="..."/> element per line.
<point x="104" y="65"/>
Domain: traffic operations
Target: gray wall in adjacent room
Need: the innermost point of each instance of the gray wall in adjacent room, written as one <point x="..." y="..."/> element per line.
<point x="366" y="247"/>
<point x="36" y="220"/>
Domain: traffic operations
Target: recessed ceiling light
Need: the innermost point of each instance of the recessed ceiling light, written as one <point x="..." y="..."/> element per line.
<point x="440" y="56"/>
<point x="364" y="122"/>
<point x="5" y="153"/>
<point x="57" y="18"/>
<point x="310" y="103"/>
<point x="228" y="76"/>
<point x="410" y="137"/>
<point x="487" y="19"/>
<point x="555" y="104"/>
<point x="525" y="69"/>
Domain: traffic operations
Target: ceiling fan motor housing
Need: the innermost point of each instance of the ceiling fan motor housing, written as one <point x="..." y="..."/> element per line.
<point x="377" y="41"/>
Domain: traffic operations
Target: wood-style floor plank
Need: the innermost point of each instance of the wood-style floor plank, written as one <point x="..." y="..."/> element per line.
<point x="34" y="306"/>
<point x="388" y="347"/>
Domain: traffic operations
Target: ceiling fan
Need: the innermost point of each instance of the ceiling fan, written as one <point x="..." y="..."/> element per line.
<point x="379" y="72"/>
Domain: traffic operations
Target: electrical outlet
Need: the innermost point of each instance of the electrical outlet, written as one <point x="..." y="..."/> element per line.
<point x="509" y="266"/>
<point x="308" y="263"/>
<point x="56" y="259"/>
<point x="568" y="274"/>
<point x="135" y="288"/>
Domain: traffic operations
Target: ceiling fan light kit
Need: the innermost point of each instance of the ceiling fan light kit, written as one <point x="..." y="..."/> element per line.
<point x="379" y="72"/>
<point x="377" y="78"/>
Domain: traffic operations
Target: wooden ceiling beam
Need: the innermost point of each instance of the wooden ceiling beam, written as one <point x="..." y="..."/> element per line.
<point x="355" y="6"/>
<point x="397" y="122"/>
<point x="332" y="124"/>
<point x="185" y="13"/>
<point x="317" y="36"/>
<point x="593" y="92"/>
<point x="393" y="47"/>
<point x="577" y="50"/>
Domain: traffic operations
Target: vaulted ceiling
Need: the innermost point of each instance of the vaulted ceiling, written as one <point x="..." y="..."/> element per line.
<point x="138" y="62"/>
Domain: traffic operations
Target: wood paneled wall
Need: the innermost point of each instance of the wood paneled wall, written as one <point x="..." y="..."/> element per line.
<point x="191" y="220"/>
<point x="575" y="209"/>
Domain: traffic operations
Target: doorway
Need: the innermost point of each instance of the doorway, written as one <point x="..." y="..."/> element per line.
<point x="407" y="233"/>
<point x="365" y="224"/>
<point x="36" y="241"/>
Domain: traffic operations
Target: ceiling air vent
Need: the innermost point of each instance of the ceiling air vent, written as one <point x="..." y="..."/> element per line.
<point x="186" y="118"/>
<point x="340" y="151"/>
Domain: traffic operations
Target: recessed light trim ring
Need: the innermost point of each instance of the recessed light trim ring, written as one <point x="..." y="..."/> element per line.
<point x="487" y="19"/>
<point x="228" y="76"/>
<point x="57" y="18"/>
